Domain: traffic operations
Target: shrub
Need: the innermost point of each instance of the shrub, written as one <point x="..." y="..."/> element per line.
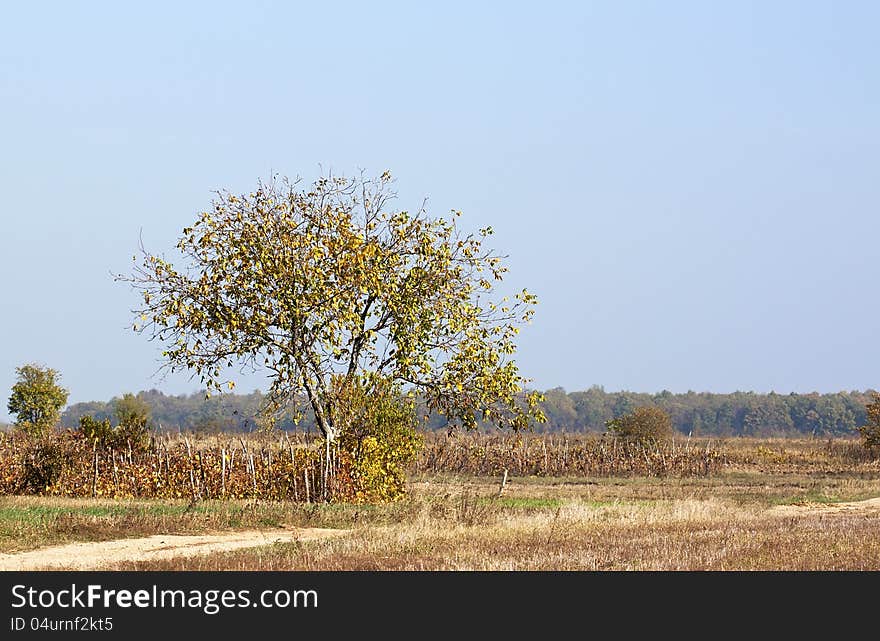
<point x="645" y="425"/>
<point x="43" y="462"/>
<point x="378" y="434"/>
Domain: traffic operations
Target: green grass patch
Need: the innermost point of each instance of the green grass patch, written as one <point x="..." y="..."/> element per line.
<point x="37" y="513"/>
<point x="806" y="497"/>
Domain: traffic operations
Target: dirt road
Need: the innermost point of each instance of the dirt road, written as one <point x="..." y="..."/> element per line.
<point x="869" y="505"/>
<point x="104" y="554"/>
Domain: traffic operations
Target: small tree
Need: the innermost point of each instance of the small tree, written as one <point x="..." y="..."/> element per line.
<point x="871" y="430"/>
<point x="133" y="415"/>
<point x="37" y="399"/>
<point x="644" y="425"/>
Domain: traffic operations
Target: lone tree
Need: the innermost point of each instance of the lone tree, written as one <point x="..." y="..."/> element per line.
<point x="327" y="287"/>
<point x="36" y="398"/>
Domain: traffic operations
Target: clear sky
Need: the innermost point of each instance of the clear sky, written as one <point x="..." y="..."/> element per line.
<point x="690" y="188"/>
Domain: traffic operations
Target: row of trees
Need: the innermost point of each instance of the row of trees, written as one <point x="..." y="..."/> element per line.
<point x="708" y="414"/>
<point x="186" y="413"/>
<point x="37" y="400"/>
<point x="700" y="414"/>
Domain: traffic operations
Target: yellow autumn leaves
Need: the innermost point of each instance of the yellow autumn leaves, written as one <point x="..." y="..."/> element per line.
<point x="321" y="280"/>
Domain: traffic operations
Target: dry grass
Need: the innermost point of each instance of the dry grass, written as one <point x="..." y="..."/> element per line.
<point x="728" y="520"/>
<point x="679" y="534"/>
<point x="568" y="524"/>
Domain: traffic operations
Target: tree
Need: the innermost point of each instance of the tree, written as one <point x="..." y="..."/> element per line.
<point x="871" y="430"/>
<point x="36" y="398"/>
<point x="133" y="415"/>
<point x="327" y="281"/>
<point x="645" y="425"/>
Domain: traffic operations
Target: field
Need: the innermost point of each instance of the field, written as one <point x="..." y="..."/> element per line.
<point x="794" y="504"/>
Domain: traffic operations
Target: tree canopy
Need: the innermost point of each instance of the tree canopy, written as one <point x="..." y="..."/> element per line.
<point x="326" y="286"/>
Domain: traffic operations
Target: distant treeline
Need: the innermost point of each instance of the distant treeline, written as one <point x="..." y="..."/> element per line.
<point x="186" y="412"/>
<point x="699" y="414"/>
<point x="708" y="414"/>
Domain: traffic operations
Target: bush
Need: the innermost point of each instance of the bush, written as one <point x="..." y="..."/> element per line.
<point x="378" y="434"/>
<point x="43" y="462"/>
<point x="645" y="425"/>
<point x="871" y="430"/>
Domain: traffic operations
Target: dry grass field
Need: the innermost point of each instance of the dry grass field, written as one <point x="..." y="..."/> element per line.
<point x="770" y="505"/>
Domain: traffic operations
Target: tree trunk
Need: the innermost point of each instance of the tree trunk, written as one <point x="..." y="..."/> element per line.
<point x="324" y="421"/>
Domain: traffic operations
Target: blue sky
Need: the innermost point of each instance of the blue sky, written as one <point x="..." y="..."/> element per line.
<point x="691" y="188"/>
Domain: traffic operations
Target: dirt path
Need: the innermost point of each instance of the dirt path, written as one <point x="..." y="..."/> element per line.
<point x="104" y="554"/>
<point x="868" y="505"/>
